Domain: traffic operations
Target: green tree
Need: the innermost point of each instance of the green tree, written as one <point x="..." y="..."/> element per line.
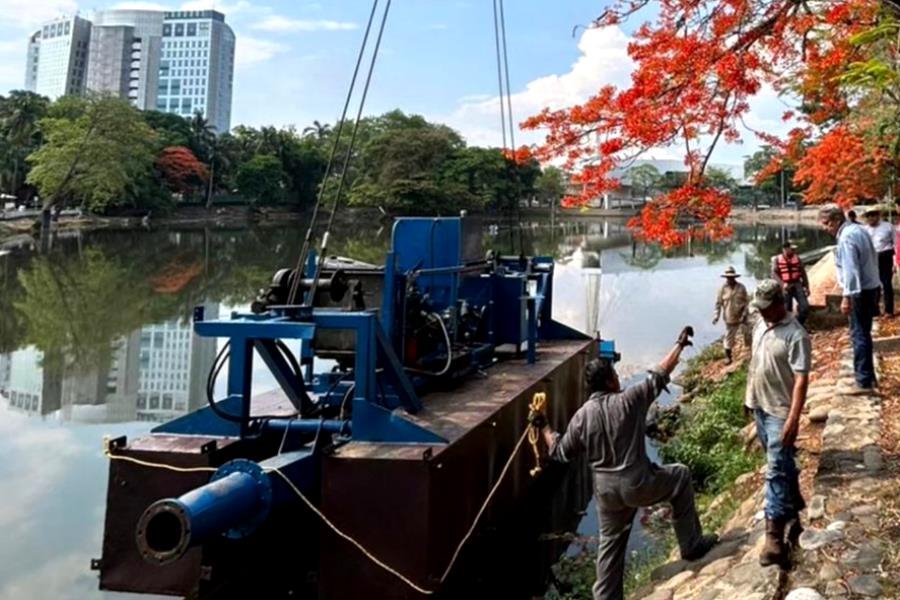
<point x="877" y="82"/>
<point x="317" y="130"/>
<point x="171" y="129"/>
<point x="644" y="179"/>
<point x="720" y="179"/>
<point x="551" y="185"/>
<point x="771" y="186"/>
<point x="203" y="136"/>
<point x="20" y="113"/>
<point x="92" y="153"/>
<point x="399" y="165"/>
<point x="261" y="179"/>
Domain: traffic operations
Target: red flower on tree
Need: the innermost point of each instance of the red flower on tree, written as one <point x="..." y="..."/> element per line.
<point x="180" y="169"/>
<point x="697" y="65"/>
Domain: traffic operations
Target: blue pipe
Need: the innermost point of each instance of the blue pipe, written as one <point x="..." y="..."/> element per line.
<point x="308" y="426"/>
<point x="235" y="501"/>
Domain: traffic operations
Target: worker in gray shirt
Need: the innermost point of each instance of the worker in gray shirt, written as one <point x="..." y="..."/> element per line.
<point x="610" y="429"/>
<point x="777" y="380"/>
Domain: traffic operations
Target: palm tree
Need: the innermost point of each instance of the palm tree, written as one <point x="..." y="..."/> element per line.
<point x="19" y="116"/>
<point x="317" y="129"/>
<point x="203" y="136"/>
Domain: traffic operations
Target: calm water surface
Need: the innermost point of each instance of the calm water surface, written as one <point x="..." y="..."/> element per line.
<point x="95" y="340"/>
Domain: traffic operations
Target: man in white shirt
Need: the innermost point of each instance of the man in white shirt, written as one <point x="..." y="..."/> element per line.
<point x="884" y="239"/>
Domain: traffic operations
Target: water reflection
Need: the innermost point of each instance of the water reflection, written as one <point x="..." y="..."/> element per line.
<point x="97" y="332"/>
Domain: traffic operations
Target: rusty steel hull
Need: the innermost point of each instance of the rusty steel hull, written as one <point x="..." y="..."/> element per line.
<point x="409" y="505"/>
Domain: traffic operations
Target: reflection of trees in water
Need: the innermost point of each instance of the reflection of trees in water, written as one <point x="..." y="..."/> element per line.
<point x="77" y="300"/>
<point x="104" y="285"/>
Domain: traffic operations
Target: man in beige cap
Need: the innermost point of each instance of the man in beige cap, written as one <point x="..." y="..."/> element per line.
<point x="777" y="381"/>
<point x="731" y="304"/>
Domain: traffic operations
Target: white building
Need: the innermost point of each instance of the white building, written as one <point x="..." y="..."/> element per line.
<point x="124" y="54"/>
<point x="196" y="71"/>
<point x="174" y="363"/>
<point x="58" y="57"/>
<point x="179" y="62"/>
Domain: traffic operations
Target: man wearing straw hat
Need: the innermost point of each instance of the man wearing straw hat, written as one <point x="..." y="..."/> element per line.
<point x="732" y="304"/>
<point x="884" y="240"/>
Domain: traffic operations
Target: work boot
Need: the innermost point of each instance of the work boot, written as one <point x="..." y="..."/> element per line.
<point x="794" y="530"/>
<point x="773" y="552"/>
<point x="703" y="545"/>
<point x="728" y="356"/>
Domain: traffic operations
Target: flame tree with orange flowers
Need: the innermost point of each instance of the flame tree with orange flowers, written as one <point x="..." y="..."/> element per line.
<point x="698" y="64"/>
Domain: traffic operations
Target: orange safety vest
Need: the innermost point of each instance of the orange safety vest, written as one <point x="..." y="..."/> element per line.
<point x="789" y="270"/>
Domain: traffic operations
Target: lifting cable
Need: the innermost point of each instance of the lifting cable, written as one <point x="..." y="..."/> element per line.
<point x="506" y="114"/>
<point x="538" y="403"/>
<point x="323" y="247"/>
<point x="307" y="242"/>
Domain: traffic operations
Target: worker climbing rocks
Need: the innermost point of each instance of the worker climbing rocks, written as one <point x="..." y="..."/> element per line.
<point x="777" y="380"/>
<point x="731" y="304"/>
<point x="610" y="428"/>
<point x="788" y="269"/>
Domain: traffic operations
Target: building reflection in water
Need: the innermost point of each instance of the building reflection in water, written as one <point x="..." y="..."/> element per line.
<point x="155" y="373"/>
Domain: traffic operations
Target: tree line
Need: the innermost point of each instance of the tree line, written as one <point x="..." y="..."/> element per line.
<point x="99" y="153"/>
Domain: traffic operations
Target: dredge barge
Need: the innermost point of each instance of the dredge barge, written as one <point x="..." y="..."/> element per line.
<point x="392" y="460"/>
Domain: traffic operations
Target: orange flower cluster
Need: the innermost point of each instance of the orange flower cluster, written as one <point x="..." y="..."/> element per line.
<point x="687" y="211"/>
<point x="697" y="65"/>
<point x="180" y="169"/>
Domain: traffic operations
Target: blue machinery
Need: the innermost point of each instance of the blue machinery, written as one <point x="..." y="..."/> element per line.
<point x="371" y="343"/>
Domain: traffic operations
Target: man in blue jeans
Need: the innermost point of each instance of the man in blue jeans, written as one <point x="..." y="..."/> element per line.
<point x="777" y="380"/>
<point x="857" y="274"/>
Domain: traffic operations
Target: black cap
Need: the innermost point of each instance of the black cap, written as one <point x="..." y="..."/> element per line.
<point x="597" y="373"/>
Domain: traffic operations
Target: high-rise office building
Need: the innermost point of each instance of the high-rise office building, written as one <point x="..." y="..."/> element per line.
<point x="58" y="57"/>
<point x="179" y="62"/>
<point x="174" y="363"/>
<point x="196" y="71"/>
<point x="124" y="54"/>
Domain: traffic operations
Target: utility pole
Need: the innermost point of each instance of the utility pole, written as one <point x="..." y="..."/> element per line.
<point x="782" y="188"/>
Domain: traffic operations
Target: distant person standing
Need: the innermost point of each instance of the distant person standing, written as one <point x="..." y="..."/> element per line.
<point x="857" y="274"/>
<point x="732" y="304"/>
<point x="788" y="270"/>
<point x="884" y="238"/>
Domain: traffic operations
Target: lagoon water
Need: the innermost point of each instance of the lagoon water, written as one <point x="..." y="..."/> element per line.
<point x="95" y="339"/>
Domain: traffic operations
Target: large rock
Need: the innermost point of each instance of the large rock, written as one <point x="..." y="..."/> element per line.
<point x="865" y="585"/>
<point x="804" y="594"/>
<point x="813" y="539"/>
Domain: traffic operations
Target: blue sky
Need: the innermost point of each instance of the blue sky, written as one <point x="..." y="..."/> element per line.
<point x="294" y="59"/>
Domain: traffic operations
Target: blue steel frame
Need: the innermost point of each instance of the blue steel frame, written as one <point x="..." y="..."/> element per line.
<point x="372" y="419"/>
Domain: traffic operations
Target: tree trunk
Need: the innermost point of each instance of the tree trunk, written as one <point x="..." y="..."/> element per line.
<point x="45" y="229"/>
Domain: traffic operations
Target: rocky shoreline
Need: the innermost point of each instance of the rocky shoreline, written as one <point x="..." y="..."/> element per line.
<point x="853" y="519"/>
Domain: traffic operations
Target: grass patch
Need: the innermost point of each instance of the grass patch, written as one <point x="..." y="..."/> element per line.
<point x="692" y="378"/>
<point x="708" y="439"/>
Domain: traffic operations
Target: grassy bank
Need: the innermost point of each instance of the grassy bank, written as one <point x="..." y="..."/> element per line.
<point x="708" y="440"/>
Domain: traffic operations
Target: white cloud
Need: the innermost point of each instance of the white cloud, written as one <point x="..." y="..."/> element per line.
<point x="251" y="51"/>
<point x="140" y="6"/>
<point x="438" y="27"/>
<point x="28" y="14"/>
<point x="604" y="60"/>
<point x="279" y="24"/>
<point x="227" y="8"/>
